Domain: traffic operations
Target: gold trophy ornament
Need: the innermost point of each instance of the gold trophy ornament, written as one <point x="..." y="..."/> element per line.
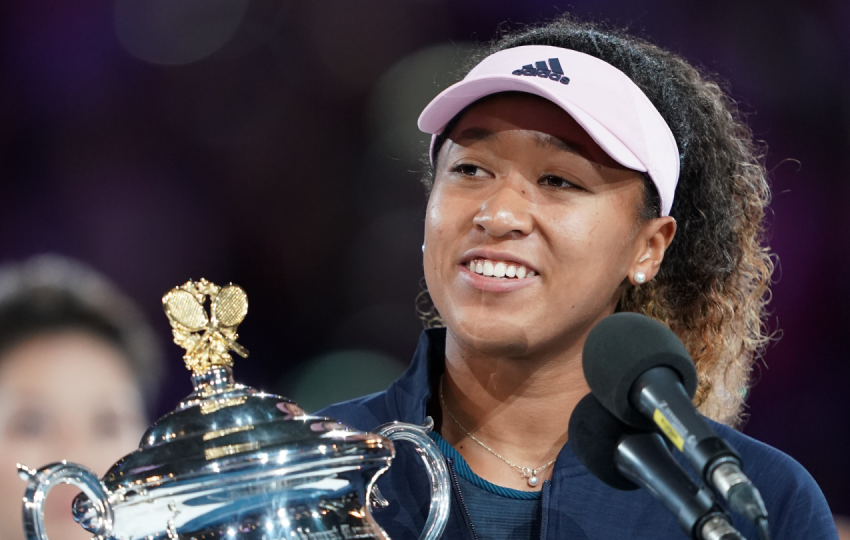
<point x="184" y="306"/>
<point x="231" y="462"/>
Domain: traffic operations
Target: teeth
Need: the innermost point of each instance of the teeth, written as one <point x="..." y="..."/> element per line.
<point x="499" y="269"/>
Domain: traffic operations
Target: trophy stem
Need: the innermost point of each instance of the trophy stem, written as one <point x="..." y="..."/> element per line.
<point x="216" y="379"/>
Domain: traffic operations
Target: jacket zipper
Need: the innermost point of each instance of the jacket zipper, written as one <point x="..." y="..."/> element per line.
<point x="544" y="520"/>
<point x="456" y="487"/>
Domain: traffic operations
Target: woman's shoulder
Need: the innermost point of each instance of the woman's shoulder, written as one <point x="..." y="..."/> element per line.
<point x="793" y="498"/>
<point x="363" y="413"/>
<point x="764" y="461"/>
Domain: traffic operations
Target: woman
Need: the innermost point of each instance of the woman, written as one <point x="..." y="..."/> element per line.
<point x="78" y="363"/>
<point x="577" y="172"/>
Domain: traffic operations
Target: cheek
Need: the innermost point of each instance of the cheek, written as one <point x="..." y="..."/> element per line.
<point x="433" y="223"/>
<point x="11" y="491"/>
<point x="574" y="236"/>
<point x="589" y="246"/>
<point x="442" y="229"/>
<point x="448" y="221"/>
<point x="31" y="451"/>
<point x="434" y="244"/>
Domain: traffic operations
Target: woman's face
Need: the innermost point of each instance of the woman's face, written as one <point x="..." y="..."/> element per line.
<point x="521" y="188"/>
<point x="62" y="396"/>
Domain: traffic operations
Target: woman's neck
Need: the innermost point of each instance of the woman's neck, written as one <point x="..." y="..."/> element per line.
<point x="518" y="407"/>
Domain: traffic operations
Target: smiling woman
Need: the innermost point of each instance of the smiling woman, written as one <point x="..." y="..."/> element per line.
<point x="576" y="172"/>
<point x="565" y="213"/>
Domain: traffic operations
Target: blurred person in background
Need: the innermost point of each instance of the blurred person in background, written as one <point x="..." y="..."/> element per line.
<point x="843" y="525"/>
<point x="78" y="366"/>
<point x="578" y="171"/>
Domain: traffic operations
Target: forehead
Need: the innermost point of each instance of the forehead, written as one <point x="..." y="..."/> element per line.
<point x="516" y="111"/>
<point x="60" y="357"/>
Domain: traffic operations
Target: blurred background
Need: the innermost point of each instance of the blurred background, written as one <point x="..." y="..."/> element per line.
<point x="273" y="144"/>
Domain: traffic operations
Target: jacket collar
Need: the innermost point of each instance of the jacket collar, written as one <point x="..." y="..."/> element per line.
<point x="408" y="396"/>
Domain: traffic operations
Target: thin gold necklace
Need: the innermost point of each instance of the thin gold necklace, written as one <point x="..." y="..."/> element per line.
<point x="527" y="472"/>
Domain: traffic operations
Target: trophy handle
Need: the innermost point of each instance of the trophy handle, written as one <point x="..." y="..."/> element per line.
<point x="438" y="473"/>
<point x="40" y="483"/>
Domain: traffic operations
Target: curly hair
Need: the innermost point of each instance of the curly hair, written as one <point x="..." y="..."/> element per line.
<point x="713" y="284"/>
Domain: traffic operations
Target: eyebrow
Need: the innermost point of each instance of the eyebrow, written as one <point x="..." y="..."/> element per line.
<point x="479" y="134"/>
<point x="545" y="140"/>
<point x="475" y="134"/>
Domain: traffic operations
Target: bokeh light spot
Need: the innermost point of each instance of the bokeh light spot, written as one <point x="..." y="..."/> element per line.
<point x="176" y="32"/>
<point x="403" y="91"/>
<point x="339" y="376"/>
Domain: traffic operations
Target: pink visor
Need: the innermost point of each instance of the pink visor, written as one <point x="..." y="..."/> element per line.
<point x="601" y="98"/>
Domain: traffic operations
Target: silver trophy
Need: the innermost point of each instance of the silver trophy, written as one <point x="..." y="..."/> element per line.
<point x="231" y="462"/>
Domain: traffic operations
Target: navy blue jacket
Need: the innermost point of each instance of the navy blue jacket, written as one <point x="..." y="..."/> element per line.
<point x="576" y="506"/>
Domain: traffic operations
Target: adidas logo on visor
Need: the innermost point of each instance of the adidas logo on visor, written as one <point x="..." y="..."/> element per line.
<point x="553" y="71"/>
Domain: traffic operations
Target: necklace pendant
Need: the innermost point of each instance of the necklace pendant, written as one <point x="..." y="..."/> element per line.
<point x="532" y="480"/>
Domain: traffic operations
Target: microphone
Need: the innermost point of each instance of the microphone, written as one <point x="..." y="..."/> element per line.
<point x="626" y="458"/>
<point x="641" y="372"/>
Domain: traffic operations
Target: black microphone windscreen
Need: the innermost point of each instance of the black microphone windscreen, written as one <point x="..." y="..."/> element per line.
<point x="623" y="346"/>
<point x="594" y="434"/>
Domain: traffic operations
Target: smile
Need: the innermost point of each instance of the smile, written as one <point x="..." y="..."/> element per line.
<point x="499" y="269"/>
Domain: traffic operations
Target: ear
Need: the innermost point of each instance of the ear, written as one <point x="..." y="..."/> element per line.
<point x="651" y="244"/>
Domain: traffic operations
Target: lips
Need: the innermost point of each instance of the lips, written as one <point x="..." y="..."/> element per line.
<point x="500" y="269"/>
<point x="496" y="271"/>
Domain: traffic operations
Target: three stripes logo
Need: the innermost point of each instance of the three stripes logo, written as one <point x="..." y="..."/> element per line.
<point x="552" y="72"/>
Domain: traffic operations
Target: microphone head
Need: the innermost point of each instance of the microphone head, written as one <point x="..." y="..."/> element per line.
<point x="594" y="434"/>
<point x="623" y="346"/>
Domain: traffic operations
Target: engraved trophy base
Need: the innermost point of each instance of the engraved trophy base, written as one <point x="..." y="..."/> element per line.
<point x="340" y="518"/>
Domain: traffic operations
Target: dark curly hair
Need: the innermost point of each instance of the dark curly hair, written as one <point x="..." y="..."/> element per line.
<point x="713" y="284"/>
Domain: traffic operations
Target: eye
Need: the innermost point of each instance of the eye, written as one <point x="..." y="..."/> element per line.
<point x="29" y="424"/>
<point x="107" y="424"/>
<point x="468" y="169"/>
<point x="556" y="182"/>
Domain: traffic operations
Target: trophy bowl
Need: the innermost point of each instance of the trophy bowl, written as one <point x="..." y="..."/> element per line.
<point x="231" y="462"/>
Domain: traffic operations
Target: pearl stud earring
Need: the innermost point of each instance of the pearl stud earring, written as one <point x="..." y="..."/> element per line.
<point x="423" y="248"/>
<point x="640" y="277"/>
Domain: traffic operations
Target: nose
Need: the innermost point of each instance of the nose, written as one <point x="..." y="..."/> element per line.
<point x="507" y="211"/>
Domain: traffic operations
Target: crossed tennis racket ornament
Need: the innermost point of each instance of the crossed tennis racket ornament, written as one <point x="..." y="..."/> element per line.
<point x="207" y="338"/>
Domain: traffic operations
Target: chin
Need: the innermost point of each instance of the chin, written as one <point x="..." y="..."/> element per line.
<point x="496" y="338"/>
